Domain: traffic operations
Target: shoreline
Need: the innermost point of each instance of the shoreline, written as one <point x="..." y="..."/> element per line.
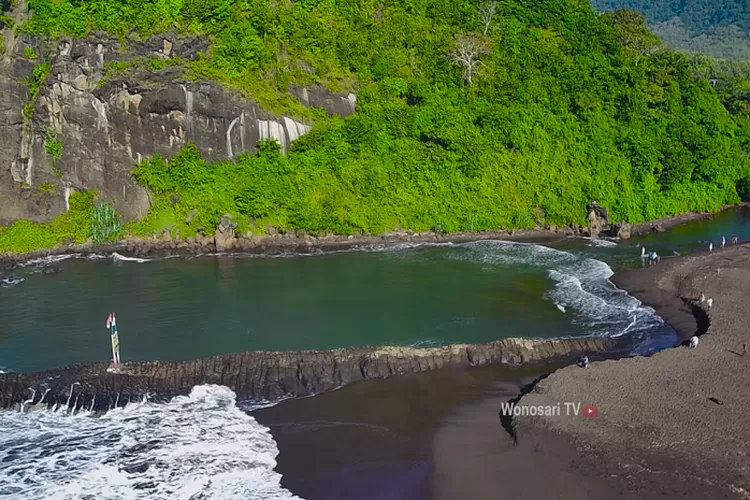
<point x="299" y="242"/>
<point x="672" y="424"/>
<point x="470" y="454"/>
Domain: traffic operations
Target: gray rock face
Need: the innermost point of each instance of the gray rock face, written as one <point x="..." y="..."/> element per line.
<point x="107" y="125"/>
<point x="621" y="230"/>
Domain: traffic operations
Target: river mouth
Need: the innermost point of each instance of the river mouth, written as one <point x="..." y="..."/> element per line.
<point x="417" y="296"/>
<point x="384" y="430"/>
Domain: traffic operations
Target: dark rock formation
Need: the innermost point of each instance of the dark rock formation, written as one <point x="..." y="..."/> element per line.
<point x="621" y="230"/>
<point x="107" y="121"/>
<point x="225" y="234"/>
<point x="269" y="375"/>
<point x="598" y="219"/>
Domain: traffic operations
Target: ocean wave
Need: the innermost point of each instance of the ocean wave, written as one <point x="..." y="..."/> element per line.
<point x="196" y="446"/>
<point x="50" y="259"/>
<point x="121" y="258"/>
<point x="10" y="281"/>
<point x="582" y="287"/>
<point x="598" y="242"/>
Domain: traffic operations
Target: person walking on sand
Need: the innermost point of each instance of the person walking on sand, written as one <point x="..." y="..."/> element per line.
<point x="734" y="239"/>
<point x="711" y="246"/>
<point x="723" y="241"/>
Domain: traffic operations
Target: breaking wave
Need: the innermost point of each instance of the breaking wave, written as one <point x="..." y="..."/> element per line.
<point x="197" y="446"/>
<point x="598" y="242"/>
<point x="121" y="258"/>
<point x="582" y="288"/>
<point x="10" y="281"/>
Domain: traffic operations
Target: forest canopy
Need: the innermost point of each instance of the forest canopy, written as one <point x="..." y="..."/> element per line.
<point x="561" y="106"/>
<point x="716" y="27"/>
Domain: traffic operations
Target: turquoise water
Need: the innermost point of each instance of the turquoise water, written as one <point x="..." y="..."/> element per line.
<point x="182" y="309"/>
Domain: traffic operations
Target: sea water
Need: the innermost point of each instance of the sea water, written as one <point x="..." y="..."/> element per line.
<point x="197" y="446"/>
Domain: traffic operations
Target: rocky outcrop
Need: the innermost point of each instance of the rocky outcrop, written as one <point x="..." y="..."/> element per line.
<point x="621" y="230"/>
<point x="225" y="234"/>
<point x="99" y="122"/>
<point x="598" y="219"/>
<point x="268" y="376"/>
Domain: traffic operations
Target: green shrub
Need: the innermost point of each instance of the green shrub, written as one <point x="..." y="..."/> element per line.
<point x="743" y="188"/>
<point x="523" y="220"/>
<point x="52" y="145"/>
<point x="105" y="224"/>
<point x="39" y="75"/>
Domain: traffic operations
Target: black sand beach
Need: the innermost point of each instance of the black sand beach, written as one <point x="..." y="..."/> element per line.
<point x="671" y="425"/>
<point x="374" y="440"/>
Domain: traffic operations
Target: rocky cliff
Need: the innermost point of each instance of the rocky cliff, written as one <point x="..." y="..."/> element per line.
<point x="68" y="122"/>
<point x="268" y="376"/>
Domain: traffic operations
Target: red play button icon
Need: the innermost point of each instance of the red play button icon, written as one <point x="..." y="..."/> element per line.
<point x="590" y="411"/>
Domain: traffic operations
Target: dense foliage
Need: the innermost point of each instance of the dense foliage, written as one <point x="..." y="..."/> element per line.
<point x="74" y="226"/>
<point x="105" y="225"/>
<point x="565" y="106"/>
<point x="717" y="27"/>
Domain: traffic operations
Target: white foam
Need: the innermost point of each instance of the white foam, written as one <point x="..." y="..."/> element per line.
<point x="11" y="281"/>
<point x="427" y="343"/>
<point x="598" y="242"/>
<point x="50" y="259"/>
<point x="121" y="258"/>
<point x="197" y="446"/>
<point x="582" y="287"/>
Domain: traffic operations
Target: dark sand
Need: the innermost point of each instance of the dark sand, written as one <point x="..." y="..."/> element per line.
<point x="675" y="424"/>
<point x="658" y="435"/>
<point x="374" y="440"/>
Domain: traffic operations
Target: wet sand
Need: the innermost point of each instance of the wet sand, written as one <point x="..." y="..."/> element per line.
<point x="374" y="440"/>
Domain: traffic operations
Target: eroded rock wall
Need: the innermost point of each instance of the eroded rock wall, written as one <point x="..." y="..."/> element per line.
<point x="106" y="123"/>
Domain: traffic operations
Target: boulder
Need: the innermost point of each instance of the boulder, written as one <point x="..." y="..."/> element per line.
<point x="225" y="233"/>
<point x="598" y="219"/>
<point x="601" y="212"/>
<point x="621" y="230"/>
<point x="595" y="224"/>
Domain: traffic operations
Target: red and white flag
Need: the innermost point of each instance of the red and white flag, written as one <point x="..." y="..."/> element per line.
<point x="110" y="320"/>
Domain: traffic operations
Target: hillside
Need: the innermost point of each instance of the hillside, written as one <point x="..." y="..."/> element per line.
<point x="562" y="106"/>
<point x="717" y="28"/>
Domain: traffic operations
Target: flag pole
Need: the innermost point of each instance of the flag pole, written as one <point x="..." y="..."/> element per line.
<point x="112" y="326"/>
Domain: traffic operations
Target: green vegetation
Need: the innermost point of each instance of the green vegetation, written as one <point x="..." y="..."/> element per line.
<point x="105" y="224"/>
<point x="716" y="27"/>
<point x="52" y="145"/>
<point x="464" y="120"/>
<point x="5" y="22"/>
<point x="82" y="221"/>
<point x="39" y="74"/>
<point x="48" y="188"/>
<point x="30" y="53"/>
<point x="74" y="226"/>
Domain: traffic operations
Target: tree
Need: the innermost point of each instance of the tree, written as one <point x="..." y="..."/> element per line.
<point x="633" y="34"/>
<point x="466" y="51"/>
<point x="486" y="13"/>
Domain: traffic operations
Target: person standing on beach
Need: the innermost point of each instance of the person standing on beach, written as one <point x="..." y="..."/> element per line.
<point x="723" y="241"/>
